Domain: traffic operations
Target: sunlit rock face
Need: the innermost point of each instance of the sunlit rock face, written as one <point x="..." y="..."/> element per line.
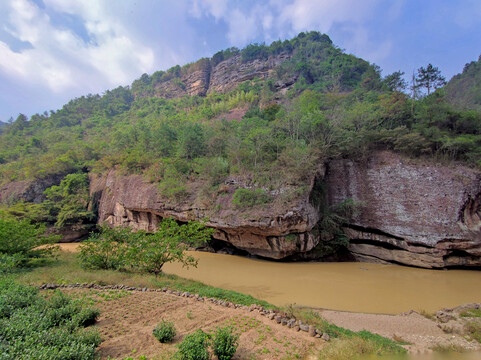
<point x="412" y="212"/>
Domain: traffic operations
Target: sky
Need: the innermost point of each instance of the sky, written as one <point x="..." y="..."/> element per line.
<point x="52" y="51"/>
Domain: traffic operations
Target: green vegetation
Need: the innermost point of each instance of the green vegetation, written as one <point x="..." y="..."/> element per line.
<point x="19" y="241"/>
<point x="194" y="346"/>
<point x="225" y="343"/>
<point x="464" y="89"/>
<point x="122" y="249"/>
<point x="34" y="328"/>
<point x="471" y="313"/>
<point x="68" y="270"/>
<point x="165" y="331"/>
<point x="351" y="344"/>
<point x="338" y="105"/>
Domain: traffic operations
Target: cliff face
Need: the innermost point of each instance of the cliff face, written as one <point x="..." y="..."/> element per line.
<point x="28" y="190"/>
<point x="410" y="213"/>
<point x="223" y="77"/>
<point x="130" y="201"/>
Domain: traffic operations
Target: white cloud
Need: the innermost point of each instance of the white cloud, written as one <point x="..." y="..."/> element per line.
<point x="63" y="60"/>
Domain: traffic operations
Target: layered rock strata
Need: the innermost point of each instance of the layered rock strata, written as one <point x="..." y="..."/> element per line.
<point x="130" y="201"/>
<point x="411" y="212"/>
<point x="223" y="77"/>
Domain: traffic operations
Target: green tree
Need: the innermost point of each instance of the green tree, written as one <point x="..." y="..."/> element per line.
<point x="121" y="249"/>
<point x="68" y="201"/>
<point x="430" y="78"/>
<point x="395" y="81"/>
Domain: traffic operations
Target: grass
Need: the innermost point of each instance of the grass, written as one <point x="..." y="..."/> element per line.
<point x="473" y="329"/>
<point x="350" y="344"/>
<point x="428" y="315"/>
<point x="471" y="313"/>
<point x="67" y="270"/>
<point x="448" y="348"/>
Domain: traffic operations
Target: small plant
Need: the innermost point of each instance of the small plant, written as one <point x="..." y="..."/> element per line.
<point x="225" y="343"/>
<point x="165" y="331"/>
<point x="194" y="347"/>
<point x="189" y="315"/>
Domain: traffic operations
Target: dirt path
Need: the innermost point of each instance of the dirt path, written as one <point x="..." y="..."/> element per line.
<point x="421" y="332"/>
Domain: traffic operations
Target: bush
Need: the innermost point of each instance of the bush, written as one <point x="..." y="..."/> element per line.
<point x="32" y="327"/>
<point x="225" y="343"/>
<point x="248" y="198"/>
<point x="21" y="237"/>
<point x="194" y="347"/>
<point x="121" y="249"/>
<point x="165" y="331"/>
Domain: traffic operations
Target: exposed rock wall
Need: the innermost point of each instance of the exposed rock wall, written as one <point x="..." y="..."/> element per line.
<point x="223" y="77"/>
<point x="28" y="190"/>
<point x="130" y="201"/>
<point x="411" y="212"/>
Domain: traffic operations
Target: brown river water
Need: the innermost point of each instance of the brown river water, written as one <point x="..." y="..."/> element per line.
<point x="358" y="287"/>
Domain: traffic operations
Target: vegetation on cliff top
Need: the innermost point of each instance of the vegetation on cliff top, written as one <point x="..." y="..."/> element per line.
<point x="338" y="105"/>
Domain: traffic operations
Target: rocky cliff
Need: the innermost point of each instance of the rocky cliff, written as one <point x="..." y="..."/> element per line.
<point x="221" y="78"/>
<point x="130" y="201"/>
<point x="411" y="212"/>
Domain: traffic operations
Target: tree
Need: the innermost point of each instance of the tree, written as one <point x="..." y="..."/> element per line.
<point x="430" y="78"/>
<point x="121" y="249"/>
<point x="68" y="201"/>
<point x="395" y="82"/>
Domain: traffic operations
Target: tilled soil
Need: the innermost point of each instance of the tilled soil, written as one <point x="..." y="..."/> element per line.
<point x="128" y="318"/>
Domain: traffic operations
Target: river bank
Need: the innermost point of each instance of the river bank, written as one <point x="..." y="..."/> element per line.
<point x="421" y="334"/>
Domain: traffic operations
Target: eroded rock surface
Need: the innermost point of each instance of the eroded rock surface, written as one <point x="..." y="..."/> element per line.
<point x="223" y="77"/>
<point x="130" y="201"/>
<point x="411" y="212"/>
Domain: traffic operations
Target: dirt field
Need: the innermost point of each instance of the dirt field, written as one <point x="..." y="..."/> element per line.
<point x="129" y="317"/>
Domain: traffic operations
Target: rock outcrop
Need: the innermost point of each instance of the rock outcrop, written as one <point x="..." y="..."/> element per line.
<point x="223" y="77"/>
<point x="411" y="212"/>
<point x="130" y="201"/>
<point x="28" y="190"/>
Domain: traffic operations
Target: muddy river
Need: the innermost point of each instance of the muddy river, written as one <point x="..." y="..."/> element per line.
<point x="359" y="287"/>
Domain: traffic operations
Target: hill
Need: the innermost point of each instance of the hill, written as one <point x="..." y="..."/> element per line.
<point x="247" y="139"/>
<point x="464" y="90"/>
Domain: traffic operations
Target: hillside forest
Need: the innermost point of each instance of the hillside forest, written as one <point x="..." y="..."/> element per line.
<point x="336" y="105"/>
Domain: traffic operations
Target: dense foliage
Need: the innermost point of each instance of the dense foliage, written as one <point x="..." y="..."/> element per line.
<point x="32" y="327"/>
<point x="19" y="241"/>
<point x="122" y="249"/>
<point x="165" y="331"/>
<point x="338" y="105"/>
<point x="195" y="346"/>
<point x="465" y="89"/>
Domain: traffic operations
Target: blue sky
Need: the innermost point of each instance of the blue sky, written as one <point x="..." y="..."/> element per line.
<point x="54" y="50"/>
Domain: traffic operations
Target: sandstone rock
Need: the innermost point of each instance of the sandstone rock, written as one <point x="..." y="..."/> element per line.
<point x="325" y="337"/>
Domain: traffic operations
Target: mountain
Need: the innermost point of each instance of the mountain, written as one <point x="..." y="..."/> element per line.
<point x="293" y="150"/>
<point x="464" y="89"/>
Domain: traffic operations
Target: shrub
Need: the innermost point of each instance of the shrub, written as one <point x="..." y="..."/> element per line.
<point x="248" y="198"/>
<point x="32" y="327"/>
<point x="21" y="237"/>
<point x="121" y="249"/>
<point x="225" y="343"/>
<point x="165" y="331"/>
<point x="194" y="347"/>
